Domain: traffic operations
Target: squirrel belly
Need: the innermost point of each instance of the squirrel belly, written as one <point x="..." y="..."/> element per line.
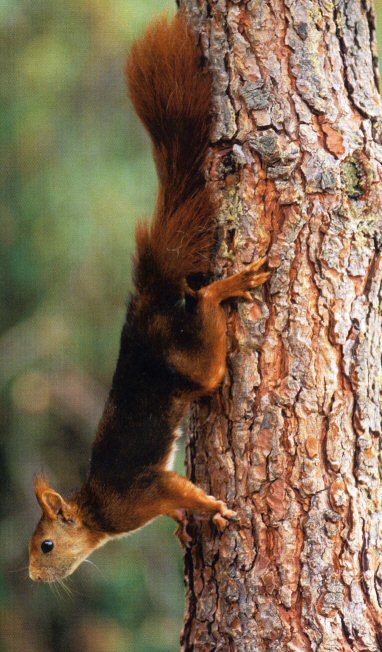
<point x="173" y="343"/>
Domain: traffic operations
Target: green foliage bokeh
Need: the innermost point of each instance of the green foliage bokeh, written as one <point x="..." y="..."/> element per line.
<point x="77" y="173"/>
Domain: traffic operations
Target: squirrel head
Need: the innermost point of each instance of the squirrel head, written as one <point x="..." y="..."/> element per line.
<point x="61" y="540"/>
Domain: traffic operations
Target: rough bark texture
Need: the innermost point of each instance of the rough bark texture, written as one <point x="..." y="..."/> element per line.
<point x="292" y="440"/>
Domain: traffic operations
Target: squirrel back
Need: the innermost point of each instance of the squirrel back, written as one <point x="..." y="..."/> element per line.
<point x="171" y="93"/>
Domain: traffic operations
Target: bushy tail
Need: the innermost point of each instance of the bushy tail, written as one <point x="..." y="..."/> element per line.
<point x="171" y="94"/>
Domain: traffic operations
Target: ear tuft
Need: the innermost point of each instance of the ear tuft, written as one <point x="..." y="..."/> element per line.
<point x="40" y="486"/>
<point x="51" y="503"/>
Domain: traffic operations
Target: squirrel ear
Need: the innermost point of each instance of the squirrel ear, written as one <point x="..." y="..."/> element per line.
<point x="55" y="506"/>
<point x="40" y="485"/>
<point x="51" y="503"/>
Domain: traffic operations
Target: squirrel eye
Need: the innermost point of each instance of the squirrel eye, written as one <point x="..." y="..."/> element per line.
<point x="47" y="546"/>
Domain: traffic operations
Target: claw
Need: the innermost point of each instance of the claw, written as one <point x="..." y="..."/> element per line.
<point x="220" y="522"/>
<point x="183" y="536"/>
<point x="228" y="513"/>
<point x="181" y="531"/>
<point x="257" y="264"/>
<point x="222" y="517"/>
<point x="259" y="279"/>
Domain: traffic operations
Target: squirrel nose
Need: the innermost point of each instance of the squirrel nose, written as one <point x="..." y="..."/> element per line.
<point x="34" y="576"/>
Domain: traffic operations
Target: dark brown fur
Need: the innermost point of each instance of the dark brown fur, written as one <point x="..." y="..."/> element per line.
<point x="173" y="343"/>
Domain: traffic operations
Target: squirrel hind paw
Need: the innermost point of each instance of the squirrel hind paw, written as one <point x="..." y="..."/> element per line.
<point x="181" y="531"/>
<point x="182" y="534"/>
<point x="222" y="522"/>
<point x="223" y="516"/>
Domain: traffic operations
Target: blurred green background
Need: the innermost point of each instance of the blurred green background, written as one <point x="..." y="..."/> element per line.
<point x="76" y="173"/>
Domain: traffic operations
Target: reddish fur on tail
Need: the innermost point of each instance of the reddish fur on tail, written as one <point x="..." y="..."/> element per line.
<point x="171" y="93"/>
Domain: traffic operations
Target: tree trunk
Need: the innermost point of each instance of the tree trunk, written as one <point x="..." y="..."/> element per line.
<point x="292" y="439"/>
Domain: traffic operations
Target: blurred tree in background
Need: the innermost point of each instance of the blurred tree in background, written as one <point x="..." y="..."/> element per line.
<point x="76" y="174"/>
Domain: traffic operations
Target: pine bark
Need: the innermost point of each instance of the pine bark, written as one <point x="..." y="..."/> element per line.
<point x="292" y="440"/>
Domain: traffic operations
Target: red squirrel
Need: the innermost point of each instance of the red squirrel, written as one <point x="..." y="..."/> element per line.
<point x="173" y="342"/>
